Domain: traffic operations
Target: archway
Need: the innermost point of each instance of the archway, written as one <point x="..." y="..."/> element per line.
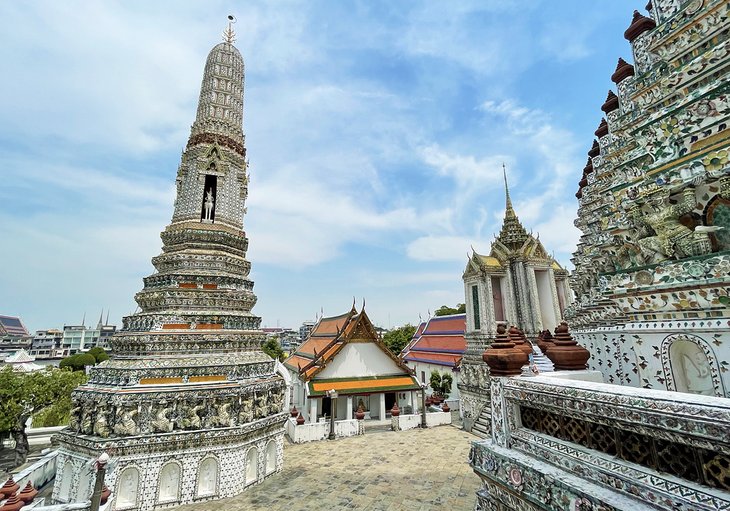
<point x="169" y="484"/>
<point x="270" y="457"/>
<point x="127" y="487"/>
<point x="207" y="477"/>
<point x="252" y="469"/>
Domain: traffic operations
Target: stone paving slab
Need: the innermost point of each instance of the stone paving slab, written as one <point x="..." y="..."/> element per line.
<point x="415" y="470"/>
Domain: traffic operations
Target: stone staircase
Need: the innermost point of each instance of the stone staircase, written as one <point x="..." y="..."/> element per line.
<point x="483" y="425"/>
<point x="541" y="361"/>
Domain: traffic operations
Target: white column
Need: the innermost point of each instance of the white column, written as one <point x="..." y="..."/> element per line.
<point x="382" y="407"/>
<point x="313" y="409"/>
<point x="348" y="412"/>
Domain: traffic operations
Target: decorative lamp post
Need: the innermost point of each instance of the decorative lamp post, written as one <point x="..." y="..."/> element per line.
<point x="333" y="408"/>
<point x="423" y="406"/>
<point x="100" y="464"/>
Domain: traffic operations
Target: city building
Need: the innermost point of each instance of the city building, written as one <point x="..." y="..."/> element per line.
<point x="648" y="426"/>
<point x="189" y="408"/>
<point x="305" y="329"/>
<point x="13" y="335"/>
<point x="344" y="353"/>
<point x="438" y="345"/>
<point x="79" y="338"/>
<point x="517" y="284"/>
<point x="48" y="344"/>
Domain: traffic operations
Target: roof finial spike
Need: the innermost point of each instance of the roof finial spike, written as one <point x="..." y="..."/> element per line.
<point x="229" y="35"/>
<point x="363" y="304"/>
<point x="107" y="317"/>
<point x="508" y="202"/>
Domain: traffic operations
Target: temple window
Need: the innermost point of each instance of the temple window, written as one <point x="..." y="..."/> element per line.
<point x="475" y="305"/>
<point x="498" y="299"/>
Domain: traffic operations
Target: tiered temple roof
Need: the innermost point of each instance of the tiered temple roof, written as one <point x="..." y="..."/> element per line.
<point x="440" y="341"/>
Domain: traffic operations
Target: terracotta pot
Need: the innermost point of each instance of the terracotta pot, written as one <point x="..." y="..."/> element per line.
<point x="502" y="357"/>
<point x="567" y="354"/>
<point x="517" y="337"/>
<point x="545" y="341"/>
<point x="300" y="420"/>
<point x="12" y="504"/>
<point x="9" y="488"/>
<point x="28" y="493"/>
<point x="294" y="412"/>
<point x="445" y="407"/>
<point x="395" y="411"/>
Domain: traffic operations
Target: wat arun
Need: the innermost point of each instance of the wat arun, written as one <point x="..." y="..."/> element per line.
<point x="189" y="408"/>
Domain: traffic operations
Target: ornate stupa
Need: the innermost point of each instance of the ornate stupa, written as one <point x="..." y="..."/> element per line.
<point x="652" y="268"/>
<point x="517" y="284"/>
<point x="188" y="408"/>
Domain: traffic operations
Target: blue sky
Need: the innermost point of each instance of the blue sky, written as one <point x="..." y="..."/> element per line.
<point x="375" y="130"/>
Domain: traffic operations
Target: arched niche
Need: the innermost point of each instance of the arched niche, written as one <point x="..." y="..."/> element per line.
<point x="270" y="457"/>
<point x="208" y="477"/>
<point x="252" y="469"/>
<point x="127" y="488"/>
<point x="83" y="490"/>
<point x="690" y="366"/>
<point x="66" y="476"/>
<point x="169" y="485"/>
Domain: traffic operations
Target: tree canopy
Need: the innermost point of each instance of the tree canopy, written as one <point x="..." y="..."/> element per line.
<point x="445" y="310"/>
<point x="441" y="383"/>
<point x="397" y="338"/>
<point x="79" y="361"/>
<point x="24" y="394"/>
<point x="273" y="349"/>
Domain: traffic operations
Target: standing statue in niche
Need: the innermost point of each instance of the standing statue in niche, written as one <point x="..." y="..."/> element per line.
<point x="697" y="374"/>
<point x="209" y="203"/>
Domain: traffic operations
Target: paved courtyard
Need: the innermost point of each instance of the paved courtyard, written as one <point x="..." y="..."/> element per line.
<point x="415" y="470"/>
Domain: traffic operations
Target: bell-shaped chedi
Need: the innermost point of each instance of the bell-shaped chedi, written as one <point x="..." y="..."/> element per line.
<point x="623" y="71"/>
<point x="28" y="493"/>
<point x="518" y="338"/>
<point x="611" y="103"/>
<point x="502" y="357"/>
<point x="300" y="420"/>
<point x="12" y="504"/>
<point x="9" y="488"/>
<point x="545" y="341"/>
<point x="595" y="149"/>
<point x="566" y="354"/>
<point x="639" y="25"/>
<point x="395" y="411"/>
<point x="602" y="129"/>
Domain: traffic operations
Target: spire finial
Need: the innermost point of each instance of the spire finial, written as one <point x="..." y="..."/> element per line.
<point x="508" y="200"/>
<point x="229" y="35"/>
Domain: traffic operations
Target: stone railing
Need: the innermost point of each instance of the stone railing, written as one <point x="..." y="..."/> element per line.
<point x="557" y="441"/>
<point x="315" y="431"/>
<point x="39" y="473"/>
<point x="412" y="421"/>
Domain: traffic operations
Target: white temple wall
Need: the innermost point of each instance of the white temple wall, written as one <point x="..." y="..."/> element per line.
<point x="425" y="368"/>
<point x="666" y="356"/>
<point x="145" y="491"/>
<point x="359" y="359"/>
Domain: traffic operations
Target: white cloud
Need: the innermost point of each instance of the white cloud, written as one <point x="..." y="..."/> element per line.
<point x="440" y="248"/>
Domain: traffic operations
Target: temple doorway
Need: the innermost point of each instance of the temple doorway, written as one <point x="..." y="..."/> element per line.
<point x="389" y="401"/>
